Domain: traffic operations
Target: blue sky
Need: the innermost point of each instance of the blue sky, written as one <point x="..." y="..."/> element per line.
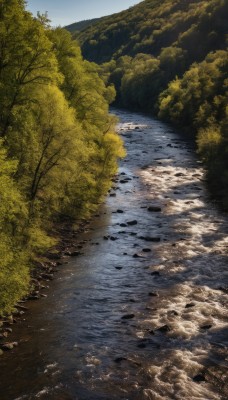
<point x="64" y="12"/>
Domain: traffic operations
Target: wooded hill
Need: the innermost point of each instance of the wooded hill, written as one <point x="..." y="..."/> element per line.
<point x="170" y="58"/>
<point x="58" y="146"/>
<point x="79" y="26"/>
<point x="196" y="26"/>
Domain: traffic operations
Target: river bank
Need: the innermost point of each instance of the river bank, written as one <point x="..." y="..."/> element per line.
<point x="44" y="269"/>
<point x="141" y="314"/>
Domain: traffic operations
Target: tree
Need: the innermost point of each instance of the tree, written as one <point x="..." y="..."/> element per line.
<point x="26" y="59"/>
<point x="58" y="149"/>
<point x="14" y="272"/>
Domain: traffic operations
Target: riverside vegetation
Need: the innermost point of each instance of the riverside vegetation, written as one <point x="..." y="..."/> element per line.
<point x="170" y="58"/>
<point x="58" y="146"/>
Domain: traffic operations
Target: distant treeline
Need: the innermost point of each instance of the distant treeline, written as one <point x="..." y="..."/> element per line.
<point x="170" y="58"/>
<point x="58" y="146"/>
<point x="79" y="26"/>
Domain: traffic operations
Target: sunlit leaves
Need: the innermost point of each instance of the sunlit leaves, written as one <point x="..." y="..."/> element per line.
<point x="196" y="27"/>
<point x="171" y="59"/>
<point x="201" y="92"/>
<point x="26" y="59"/>
<point x="14" y="276"/>
<point x="59" y="150"/>
<point x="208" y="141"/>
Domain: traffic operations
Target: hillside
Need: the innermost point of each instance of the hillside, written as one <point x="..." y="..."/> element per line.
<point x="170" y="58"/>
<point x="79" y="26"/>
<point x="196" y="26"/>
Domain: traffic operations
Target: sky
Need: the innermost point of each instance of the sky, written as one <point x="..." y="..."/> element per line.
<point x="65" y="12"/>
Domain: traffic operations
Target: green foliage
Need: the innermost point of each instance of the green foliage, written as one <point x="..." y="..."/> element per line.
<point x="141" y="83"/>
<point x="198" y="99"/>
<point x="209" y="141"/>
<point x="14" y="274"/>
<point x="26" y="58"/>
<point x="89" y="98"/>
<point x="58" y="150"/>
<point x="79" y="26"/>
<point x="173" y="62"/>
<point x="195" y="26"/>
<point x="213" y="147"/>
<point x="175" y="32"/>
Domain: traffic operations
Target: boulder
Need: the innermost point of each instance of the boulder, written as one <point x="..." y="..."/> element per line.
<point x="8" y="330"/>
<point x="136" y="255"/>
<point x="150" y="238"/>
<point x="128" y="316"/>
<point x="134" y="222"/>
<point x="113" y="238"/>
<point x="174" y="312"/>
<point x="206" y="327"/>
<point x="153" y="294"/>
<point x="7" y="346"/>
<point x="189" y="305"/>
<point x="199" y="378"/>
<point x="155" y="273"/>
<point x="3" y="335"/>
<point x="154" y="209"/>
<point x="33" y="297"/>
<point x="119" y="359"/>
<point x="164" y="329"/>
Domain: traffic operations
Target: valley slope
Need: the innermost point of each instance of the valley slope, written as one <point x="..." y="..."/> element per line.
<point x="170" y="58"/>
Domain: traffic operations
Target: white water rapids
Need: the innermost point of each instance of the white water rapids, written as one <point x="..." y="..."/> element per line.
<point x="142" y="313"/>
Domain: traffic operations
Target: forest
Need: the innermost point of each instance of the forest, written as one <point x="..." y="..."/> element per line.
<point x="113" y="252"/>
<point x="170" y="59"/>
<point x="81" y="25"/>
<point x="58" y="146"/>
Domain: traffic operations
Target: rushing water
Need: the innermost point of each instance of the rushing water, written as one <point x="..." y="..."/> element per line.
<point x="96" y="336"/>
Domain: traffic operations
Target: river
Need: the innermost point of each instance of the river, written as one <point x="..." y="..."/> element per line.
<point x="141" y="314"/>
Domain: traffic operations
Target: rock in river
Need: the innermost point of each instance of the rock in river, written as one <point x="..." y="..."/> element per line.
<point x="128" y="316"/>
<point x="150" y="238"/>
<point x="119" y="359"/>
<point x="199" y="378"/>
<point x="153" y="294"/>
<point x="164" y="329"/>
<point x="8" y="346"/>
<point x="134" y="222"/>
<point x="154" y="209"/>
<point x="155" y="273"/>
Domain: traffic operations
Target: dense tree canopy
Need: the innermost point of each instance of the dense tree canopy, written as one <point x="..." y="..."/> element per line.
<point x="170" y="58"/>
<point x="197" y="26"/>
<point x="58" y="146"/>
